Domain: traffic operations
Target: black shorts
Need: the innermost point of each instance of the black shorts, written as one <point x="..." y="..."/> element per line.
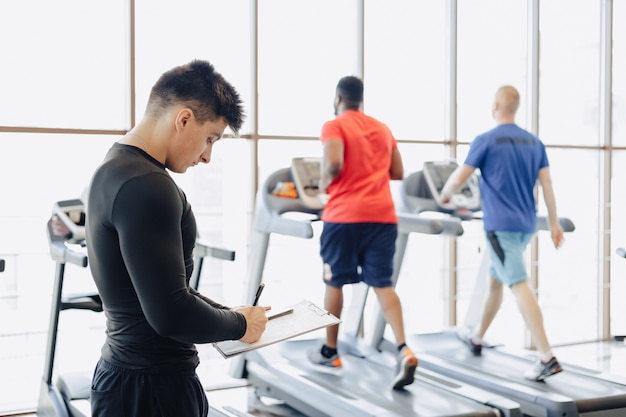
<point x="358" y="252"/>
<point x="117" y="391"/>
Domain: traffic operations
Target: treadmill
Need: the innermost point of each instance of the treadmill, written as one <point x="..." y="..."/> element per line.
<point x="571" y="393"/>
<point x="282" y="372"/>
<point x="69" y="396"/>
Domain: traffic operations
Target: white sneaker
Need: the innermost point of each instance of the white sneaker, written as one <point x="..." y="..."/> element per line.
<point x="541" y="370"/>
<point x="407" y="363"/>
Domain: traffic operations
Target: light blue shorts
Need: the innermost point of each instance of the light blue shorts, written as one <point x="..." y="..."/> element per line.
<point x="507" y="256"/>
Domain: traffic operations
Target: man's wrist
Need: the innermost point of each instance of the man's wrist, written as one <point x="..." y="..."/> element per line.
<point x="446" y="193"/>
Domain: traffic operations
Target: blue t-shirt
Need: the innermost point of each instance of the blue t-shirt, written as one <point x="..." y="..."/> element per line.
<point x="509" y="159"/>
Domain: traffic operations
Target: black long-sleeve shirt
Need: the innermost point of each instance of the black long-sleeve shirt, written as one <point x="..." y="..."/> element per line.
<point x="140" y="233"/>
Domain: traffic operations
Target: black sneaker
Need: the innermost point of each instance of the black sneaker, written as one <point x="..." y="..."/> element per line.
<point x="465" y="336"/>
<point x="475" y="348"/>
<point x="317" y="358"/>
<point x="541" y="370"/>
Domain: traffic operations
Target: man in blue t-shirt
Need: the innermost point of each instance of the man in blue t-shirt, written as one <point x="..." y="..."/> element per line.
<point x="511" y="160"/>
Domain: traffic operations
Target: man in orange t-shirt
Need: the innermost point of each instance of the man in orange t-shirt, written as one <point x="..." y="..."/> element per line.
<point x="360" y="222"/>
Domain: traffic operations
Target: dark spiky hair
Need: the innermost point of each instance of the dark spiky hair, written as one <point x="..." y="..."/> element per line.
<point x="350" y="89"/>
<point x="198" y="86"/>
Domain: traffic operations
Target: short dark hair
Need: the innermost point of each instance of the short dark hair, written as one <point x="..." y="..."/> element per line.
<point x="198" y="86"/>
<point x="350" y="88"/>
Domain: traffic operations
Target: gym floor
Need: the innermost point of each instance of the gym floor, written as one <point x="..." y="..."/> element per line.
<point x="224" y="391"/>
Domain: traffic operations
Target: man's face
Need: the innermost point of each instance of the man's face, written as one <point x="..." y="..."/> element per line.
<point x="194" y="143"/>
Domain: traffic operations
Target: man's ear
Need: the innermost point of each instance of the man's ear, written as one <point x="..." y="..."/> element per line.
<point x="183" y="117"/>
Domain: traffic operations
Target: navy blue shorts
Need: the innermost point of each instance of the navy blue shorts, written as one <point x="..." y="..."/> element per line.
<point x="358" y="252"/>
<point x="117" y="391"/>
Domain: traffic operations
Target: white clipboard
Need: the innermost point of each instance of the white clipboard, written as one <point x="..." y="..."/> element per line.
<point x="306" y="317"/>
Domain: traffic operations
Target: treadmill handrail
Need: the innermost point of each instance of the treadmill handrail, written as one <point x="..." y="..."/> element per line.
<point x="203" y="249"/>
<point x="412" y="223"/>
<point x="61" y="253"/>
<point x="565" y="222"/>
<point x="58" y="235"/>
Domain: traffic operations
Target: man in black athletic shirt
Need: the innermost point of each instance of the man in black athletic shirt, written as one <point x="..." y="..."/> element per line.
<point x="141" y="232"/>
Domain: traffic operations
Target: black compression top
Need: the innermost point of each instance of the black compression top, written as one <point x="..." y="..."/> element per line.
<point x="140" y="235"/>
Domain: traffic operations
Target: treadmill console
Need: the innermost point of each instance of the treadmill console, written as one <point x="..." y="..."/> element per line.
<point x="436" y="173"/>
<point x="71" y="214"/>
<point x="306" y="174"/>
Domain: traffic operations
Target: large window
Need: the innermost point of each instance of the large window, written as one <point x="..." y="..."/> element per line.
<point x="36" y="170"/>
<point x="64" y="64"/>
<point x="569" y="72"/>
<point x="619" y="70"/>
<point x="569" y="285"/>
<point x="169" y="34"/>
<point x="492" y="51"/>
<point x="304" y="49"/>
<point x="618" y="198"/>
<point x="405" y="66"/>
<point x="618" y="240"/>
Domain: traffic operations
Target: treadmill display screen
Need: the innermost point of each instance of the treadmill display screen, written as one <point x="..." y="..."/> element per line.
<point x="306" y="174"/>
<point x="439" y="174"/>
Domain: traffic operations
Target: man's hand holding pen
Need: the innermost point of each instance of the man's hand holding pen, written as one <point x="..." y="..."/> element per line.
<point x="255" y="318"/>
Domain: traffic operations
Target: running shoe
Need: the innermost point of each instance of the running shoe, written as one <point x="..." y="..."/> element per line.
<point x="407" y="363"/>
<point x="317" y="358"/>
<point x="475" y="348"/>
<point x="466" y="338"/>
<point x="541" y="370"/>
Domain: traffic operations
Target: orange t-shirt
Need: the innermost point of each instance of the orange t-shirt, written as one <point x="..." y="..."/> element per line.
<point x="361" y="193"/>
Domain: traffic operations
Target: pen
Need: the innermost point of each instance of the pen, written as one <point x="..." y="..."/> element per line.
<point x="258" y="294"/>
<point x="271" y="315"/>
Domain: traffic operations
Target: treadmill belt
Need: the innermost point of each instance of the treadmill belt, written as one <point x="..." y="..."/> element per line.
<point x="503" y="367"/>
<point x="362" y="379"/>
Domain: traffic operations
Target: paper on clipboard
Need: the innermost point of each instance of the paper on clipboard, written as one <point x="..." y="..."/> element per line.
<point x="306" y="317"/>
